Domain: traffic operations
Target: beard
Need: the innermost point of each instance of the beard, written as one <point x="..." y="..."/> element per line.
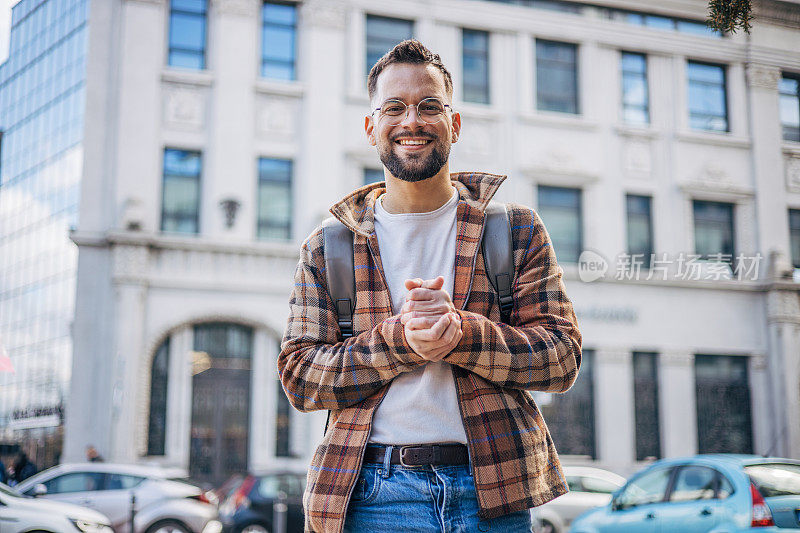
<point x="415" y="167"/>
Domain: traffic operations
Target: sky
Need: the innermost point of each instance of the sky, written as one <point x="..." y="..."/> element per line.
<point x="5" y="26"/>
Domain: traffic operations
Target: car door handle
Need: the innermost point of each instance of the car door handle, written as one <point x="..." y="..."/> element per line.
<point x="706" y="511"/>
<point x="650" y="516"/>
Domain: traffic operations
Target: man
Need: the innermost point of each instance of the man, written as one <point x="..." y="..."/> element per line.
<point x="429" y="363"/>
<point x="92" y="455"/>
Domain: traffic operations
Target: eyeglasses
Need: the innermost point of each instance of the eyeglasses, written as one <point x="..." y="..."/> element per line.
<point x="430" y="110"/>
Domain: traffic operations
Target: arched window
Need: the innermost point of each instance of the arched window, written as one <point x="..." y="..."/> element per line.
<point x="159" y="376"/>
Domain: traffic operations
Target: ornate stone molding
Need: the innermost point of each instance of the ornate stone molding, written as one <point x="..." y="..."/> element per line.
<point x="777" y="12"/>
<point x="758" y="361"/>
<point x="763" y="76"/>
<point x="184" y="106"/>
<point x="783" y="306"/>
<point x="247" y="8"/>
<point x="327" y="13"/>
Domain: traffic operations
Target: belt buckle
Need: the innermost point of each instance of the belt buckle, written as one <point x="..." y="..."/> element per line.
<point x="402" y="454"/>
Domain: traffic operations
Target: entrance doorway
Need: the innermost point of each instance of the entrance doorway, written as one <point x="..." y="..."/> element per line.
<point x="220" y="401"/>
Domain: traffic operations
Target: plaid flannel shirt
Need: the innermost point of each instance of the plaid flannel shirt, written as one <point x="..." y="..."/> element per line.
<point x="514" y="461"/>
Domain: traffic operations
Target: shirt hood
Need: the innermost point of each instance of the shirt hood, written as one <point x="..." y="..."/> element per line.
<point x="357" y="210"/>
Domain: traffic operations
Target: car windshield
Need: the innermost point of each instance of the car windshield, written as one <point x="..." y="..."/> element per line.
<point x="775" y="479"/>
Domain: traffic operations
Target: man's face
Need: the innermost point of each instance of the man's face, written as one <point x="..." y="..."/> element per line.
<point x="399" y="145"/>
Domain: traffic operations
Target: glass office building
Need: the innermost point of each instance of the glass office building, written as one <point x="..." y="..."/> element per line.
<point x="42" y="99"/>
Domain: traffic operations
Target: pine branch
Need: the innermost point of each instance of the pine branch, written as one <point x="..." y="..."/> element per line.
<point x="727" y="16"/>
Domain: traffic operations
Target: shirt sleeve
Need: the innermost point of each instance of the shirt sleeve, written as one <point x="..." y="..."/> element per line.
<point x="318" y="371"/>
<point x="541" y="348"/>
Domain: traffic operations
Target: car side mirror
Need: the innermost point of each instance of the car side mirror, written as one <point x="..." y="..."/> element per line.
<point x="39" y="490"/>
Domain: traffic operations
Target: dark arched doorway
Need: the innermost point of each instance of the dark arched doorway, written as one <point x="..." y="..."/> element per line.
<point x="220" y="401"/>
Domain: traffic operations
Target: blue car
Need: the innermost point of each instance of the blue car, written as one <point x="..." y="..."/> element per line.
<point x="703" y="494"/>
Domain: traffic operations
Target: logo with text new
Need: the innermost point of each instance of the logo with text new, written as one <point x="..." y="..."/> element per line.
<point x="591" y="266"/>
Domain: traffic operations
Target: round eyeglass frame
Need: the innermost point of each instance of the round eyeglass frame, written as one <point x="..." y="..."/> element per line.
<point x="395" y="120"/>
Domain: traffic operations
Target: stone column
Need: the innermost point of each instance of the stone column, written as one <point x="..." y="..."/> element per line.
<point x="677" y="403"/>
<point x="762" y="89"/>
<point x="783" y="316"/>
<point x="179" y="398"/>
<point x="614" y="407"/>
<point x="262" y="403"/>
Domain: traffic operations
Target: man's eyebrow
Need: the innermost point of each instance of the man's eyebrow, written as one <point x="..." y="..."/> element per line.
<point x="402" y="100"/>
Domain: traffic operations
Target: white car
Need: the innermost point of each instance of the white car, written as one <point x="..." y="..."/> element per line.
<point x="162" y="503"/>
<point x="19" y="514"/>
<point x="589" y="487"/>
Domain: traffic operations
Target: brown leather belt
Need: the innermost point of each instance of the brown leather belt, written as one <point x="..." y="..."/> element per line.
<point x="419" y="455"/>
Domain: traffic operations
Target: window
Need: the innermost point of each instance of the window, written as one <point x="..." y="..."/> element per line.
<point x="373" y="175"/>
<point x="723" y="404"/>
<point x="635" y="101"/>
<point x="283" y="424"/>
<point x="713" y="230"/>
<point x="794" y="233"/>
<point x="647" y="488"/>
<point x="556" y="76"/>
<point x="187" y="34"/>
<point x="640" y="227"/>
<point x="75" y="482"/>
<point x="475" y="64"/>
<point x="570" y="417"/>
<point x="776" y="479"/>
<point x="693" y="483"/>
<point x="597" y="485"/>
<point x="382" y="34"/>
<point x="274" y="198"/>
<point x="278" y="36"/>
<point x="789" y="88"/>
<point x="708" y="106"/>
<point x="180" y="207"/>
<point x="122" y="481"/>
<point x="159" y="377"/>
<point x="645" y="393"/>
<point x="560" y="211"/>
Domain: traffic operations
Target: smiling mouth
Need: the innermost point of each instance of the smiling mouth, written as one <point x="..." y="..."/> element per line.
<point x="413" y="142"/>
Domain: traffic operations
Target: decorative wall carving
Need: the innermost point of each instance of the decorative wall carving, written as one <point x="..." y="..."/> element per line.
<point x="326" y="13"/>
<point x="130" y="262"/>
<point x="184" y="107"/>
<point x="248" y="8"/>
<point x="792" y="166"/>
<point x="277" y="115"/>
<point x="763" y="76"/>
<point x="637" y="157"/>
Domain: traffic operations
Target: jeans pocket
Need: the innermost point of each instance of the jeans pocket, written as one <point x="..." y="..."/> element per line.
<point x="367" y="485"/>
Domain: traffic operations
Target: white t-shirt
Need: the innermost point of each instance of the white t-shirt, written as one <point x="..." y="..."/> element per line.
<point x="421" y="406"/>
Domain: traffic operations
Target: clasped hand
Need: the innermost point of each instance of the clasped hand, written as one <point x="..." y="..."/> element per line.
<point x="431" y="324"/>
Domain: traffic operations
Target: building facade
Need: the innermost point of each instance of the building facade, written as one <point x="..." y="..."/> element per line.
<point x="42" y="96"/>
<point x="663" y="159"/>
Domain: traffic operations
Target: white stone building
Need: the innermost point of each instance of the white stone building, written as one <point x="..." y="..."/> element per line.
<point x="217" y="136"/>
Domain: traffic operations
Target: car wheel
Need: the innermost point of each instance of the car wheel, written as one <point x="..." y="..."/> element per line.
<point x="168" y="526"/>
<point x="255" y="528"/>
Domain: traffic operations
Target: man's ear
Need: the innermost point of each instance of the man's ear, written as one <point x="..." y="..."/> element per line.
<point x="369" y="129"/>
<point x="456" y="129"/>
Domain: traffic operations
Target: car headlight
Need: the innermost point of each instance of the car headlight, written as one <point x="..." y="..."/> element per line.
<point x="90" y="527"/>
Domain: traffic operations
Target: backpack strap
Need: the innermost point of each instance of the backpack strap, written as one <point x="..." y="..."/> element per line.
<point x="340" y="272"/>
<point x="498" y="256"/>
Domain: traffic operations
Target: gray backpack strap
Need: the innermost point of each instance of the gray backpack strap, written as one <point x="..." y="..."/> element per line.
<point x="339" y="271"/>
<point x="498" y="256"/>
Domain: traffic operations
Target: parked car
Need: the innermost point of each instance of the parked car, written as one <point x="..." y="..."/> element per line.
<point x="20" y="514"/>
<point x="704" y="493"/>
<point x="589" y="487"/>
<point x="163" y="504"/>
<point x="248" y="504"/>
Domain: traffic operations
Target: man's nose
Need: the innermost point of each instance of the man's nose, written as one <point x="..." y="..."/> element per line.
<point x="414" y="121"/>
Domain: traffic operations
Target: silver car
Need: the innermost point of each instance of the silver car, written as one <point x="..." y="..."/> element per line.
<point x="19" y="514"/>
<point x="589" y="487"/>
<point x="162" y="504"/>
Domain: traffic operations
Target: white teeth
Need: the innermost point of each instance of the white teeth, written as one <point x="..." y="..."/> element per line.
<point x="412" y="143"/>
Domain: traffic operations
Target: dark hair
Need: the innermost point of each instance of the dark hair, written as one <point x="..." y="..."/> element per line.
<point x="408" y="51"/>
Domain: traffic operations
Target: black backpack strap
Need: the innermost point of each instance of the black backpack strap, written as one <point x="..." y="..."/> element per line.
<point x="339" y="272"/>
<point x="498" y="256"/>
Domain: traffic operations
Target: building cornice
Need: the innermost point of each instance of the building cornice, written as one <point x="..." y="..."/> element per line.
<point x="245" y="8"/>
<point x="775" y="12"/>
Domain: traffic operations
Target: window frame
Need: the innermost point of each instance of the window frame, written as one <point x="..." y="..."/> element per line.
<point x="485" y="54"/>
<point x="796" y="96"/>
<point x="290" y="190"/>
<point x="199" y="202"/>
<point x="579" y="208"/>
<point x="369" y="16"/>
<point x="264" y="60"/>
<point x="732" y="207"/>
<point x="646" y="77"/>
<point x="204" y="52"/>
<point x="794" y="213"/>
<point x="726" y="100"/>
<point x="538" y="102"/>
<point x="648" y="255"/>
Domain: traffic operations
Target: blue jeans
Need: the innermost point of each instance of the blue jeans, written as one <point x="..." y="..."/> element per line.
<point x="423" y="499"/>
